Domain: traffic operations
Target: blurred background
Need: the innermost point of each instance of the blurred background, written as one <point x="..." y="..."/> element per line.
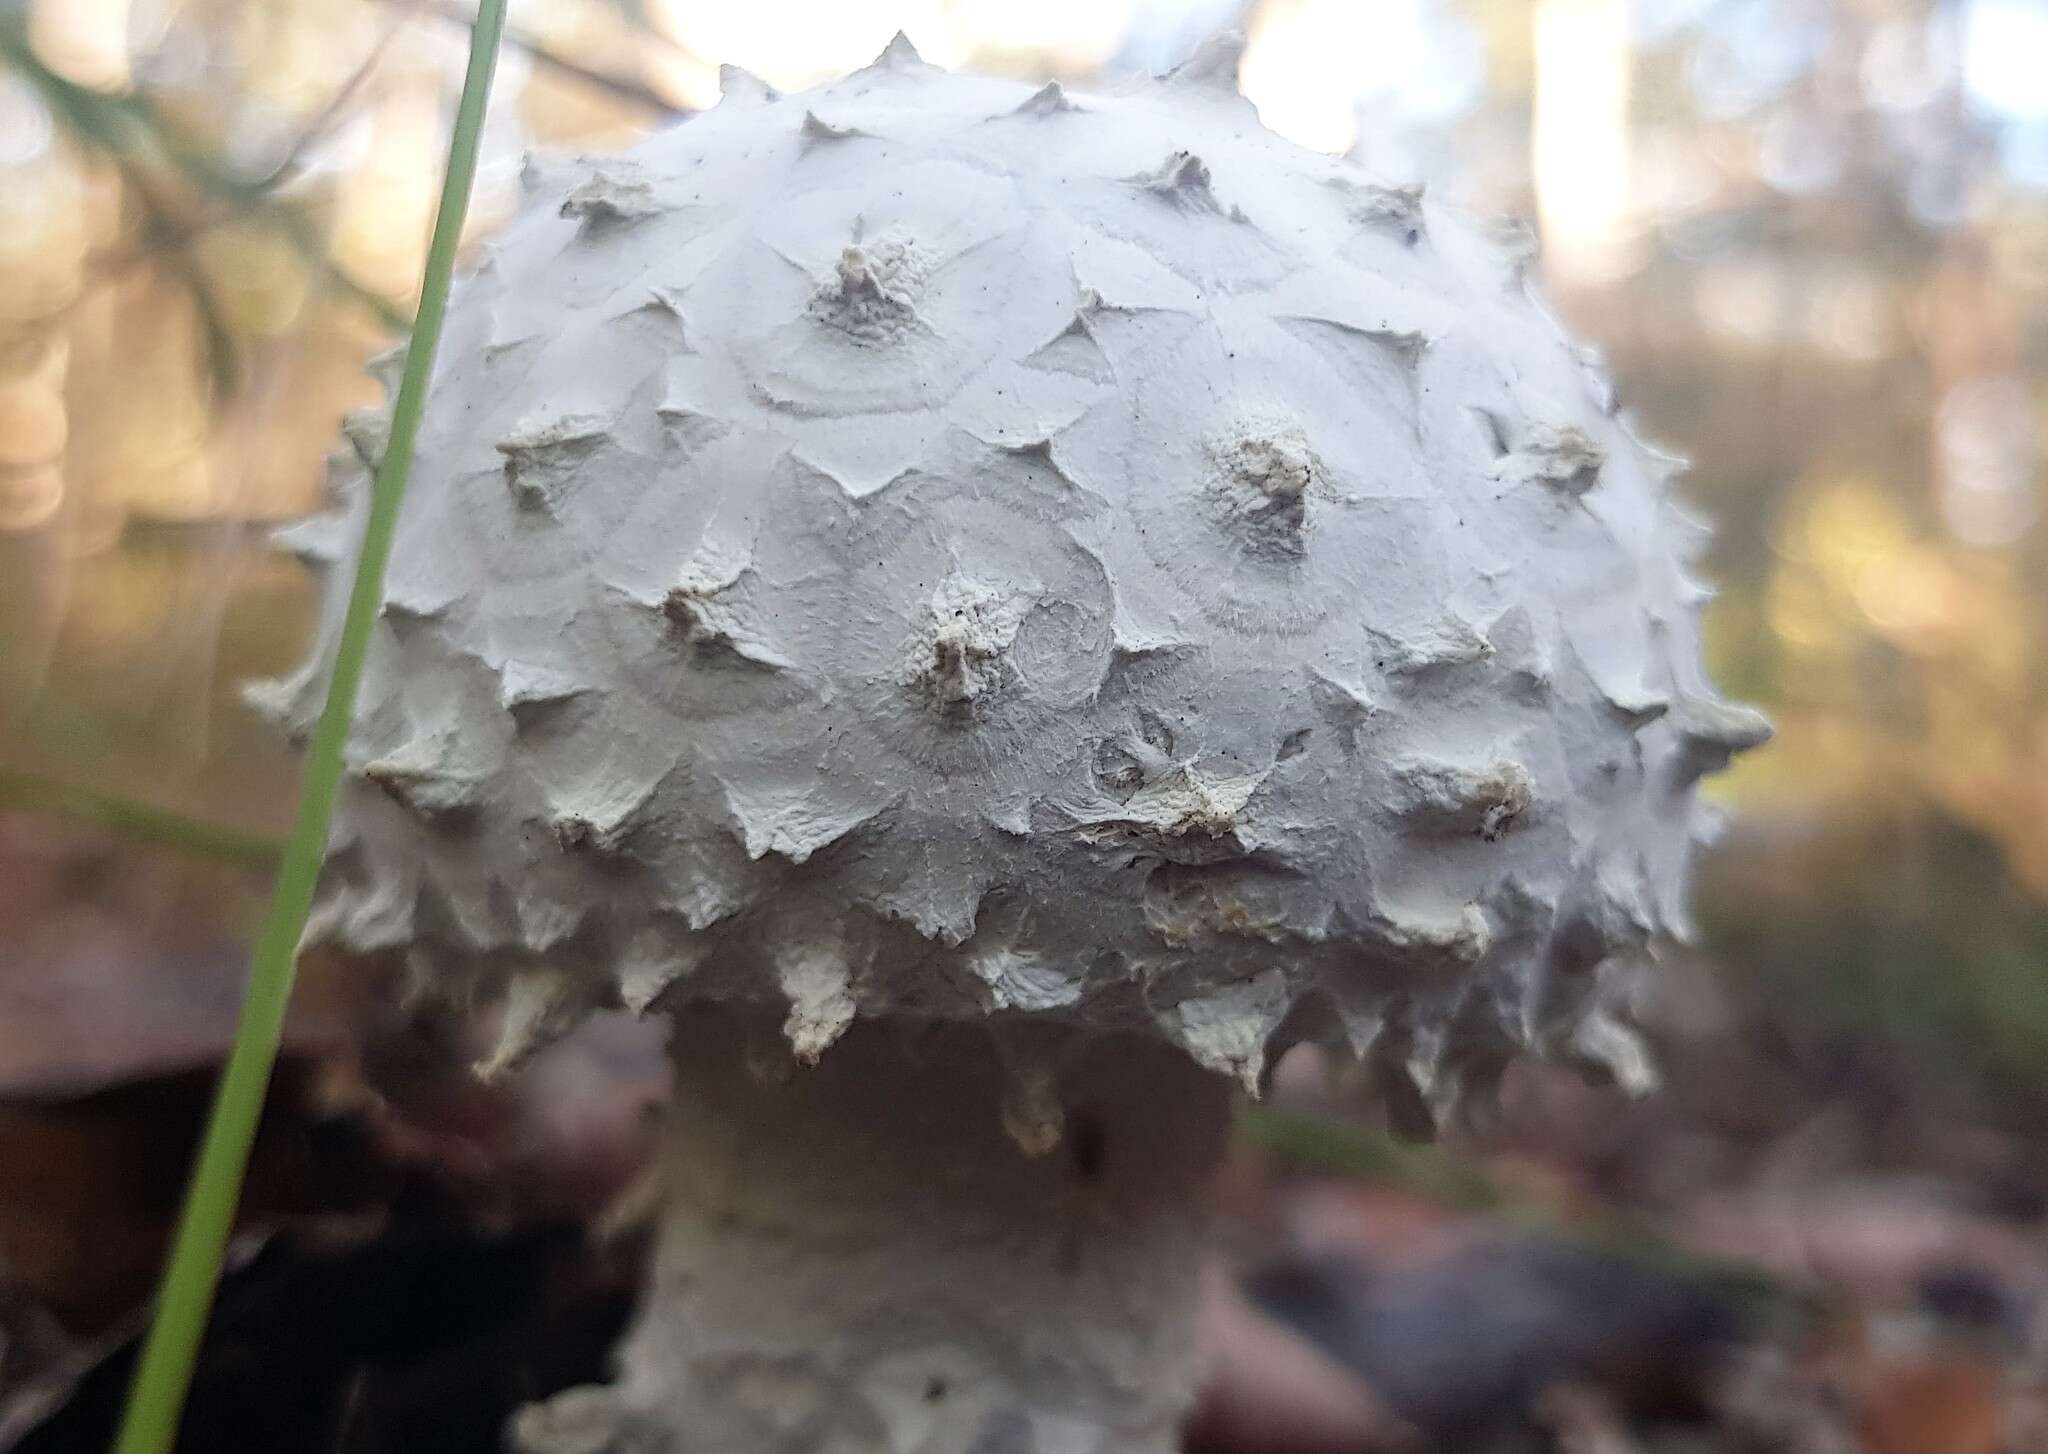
<point x="1811" y="237"/>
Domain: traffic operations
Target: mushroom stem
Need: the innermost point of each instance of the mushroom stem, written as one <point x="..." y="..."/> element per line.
<point x="857" y="1256"/>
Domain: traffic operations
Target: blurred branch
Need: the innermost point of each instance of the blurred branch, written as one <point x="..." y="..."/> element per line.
<point x="167" y="235"/>
<point x="140" y="821"/>
<point x="621" y="87"/>
<point x="337" y="104"/>
<point x="127" y="128"/>
<point x="131" y="131"/>
<point x="1358" y="1152"/>
<point x="118" y="123"/>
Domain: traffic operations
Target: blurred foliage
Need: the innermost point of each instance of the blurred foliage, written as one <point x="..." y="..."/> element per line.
<point x="1811" y="235"/>
<point x="210" y="213"/>
<point x="1840" y="309"/>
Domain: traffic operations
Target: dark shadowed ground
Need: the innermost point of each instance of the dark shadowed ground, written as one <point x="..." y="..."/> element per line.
<point x="1783" y="1251"/>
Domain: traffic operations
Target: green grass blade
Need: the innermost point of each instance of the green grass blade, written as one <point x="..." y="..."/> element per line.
<point x="144" y="822"/>
<point x="157" y="1398"/>
<point x="1348" y="1150"/>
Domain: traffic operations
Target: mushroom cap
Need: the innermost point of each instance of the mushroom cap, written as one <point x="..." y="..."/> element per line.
<point x="935" y="547"/>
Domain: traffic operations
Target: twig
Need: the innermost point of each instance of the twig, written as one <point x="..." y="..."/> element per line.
<point x="220" y="340"/>
<point x="323" y="121"/>
<point x="165" y="234"/>
<point x="123" y="126"/>
<point x="619" y="86"/>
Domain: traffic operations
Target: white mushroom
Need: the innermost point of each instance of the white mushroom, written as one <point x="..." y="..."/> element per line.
<point x="1040" y="599"/>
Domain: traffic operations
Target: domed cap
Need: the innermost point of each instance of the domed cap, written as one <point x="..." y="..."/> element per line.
<point x="936" y="547"/>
